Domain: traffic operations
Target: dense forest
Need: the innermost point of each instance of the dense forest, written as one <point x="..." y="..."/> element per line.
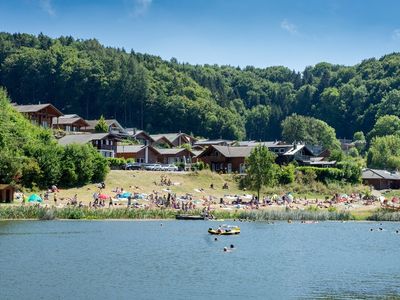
<point x="144" y="91"/>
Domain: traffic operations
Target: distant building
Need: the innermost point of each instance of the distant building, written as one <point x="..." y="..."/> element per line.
<point x="113" y="126"/>
<point x="6" y="193"/>
<point x="140" y="153"/>
<point x="175" y="155"/>
<point x="225" y="158"/>
<point x="105" y="143"/>
<point x="232" y="158"/>
<point x="141" y="136"/>
<point x="40" y="114"/>
<point x="70" y="123"/>
<point x="174" y="139"/>
<point x="381" y="179"/>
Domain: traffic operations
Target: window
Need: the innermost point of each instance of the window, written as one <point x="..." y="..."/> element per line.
<point x="67" y="128"/>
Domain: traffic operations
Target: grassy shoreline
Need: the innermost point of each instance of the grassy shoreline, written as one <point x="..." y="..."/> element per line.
<point x="75" y="213"/>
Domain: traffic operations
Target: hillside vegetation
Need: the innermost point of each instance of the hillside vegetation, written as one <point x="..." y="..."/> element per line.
<point x="30" y="155"/>
<point x="144" y="91"/>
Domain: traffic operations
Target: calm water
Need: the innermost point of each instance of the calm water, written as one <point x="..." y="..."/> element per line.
<point x="179" y="260"/>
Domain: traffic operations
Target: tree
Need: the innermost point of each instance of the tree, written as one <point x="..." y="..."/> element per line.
<point x="385" y="125"/>
<point x="257" y="121"/>
<point x="384" y="153"/>
<point x="310" y="131"/>
<point x="390" y="104"/>
<point x="261" y="169"/>
<point x="101" y="126"/>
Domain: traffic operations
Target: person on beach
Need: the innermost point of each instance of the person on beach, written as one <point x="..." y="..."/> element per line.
<point x="55" y="198"/>
<point x="110" y="204"/>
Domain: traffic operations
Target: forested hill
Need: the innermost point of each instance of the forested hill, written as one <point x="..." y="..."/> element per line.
<point x="144" y="91"/>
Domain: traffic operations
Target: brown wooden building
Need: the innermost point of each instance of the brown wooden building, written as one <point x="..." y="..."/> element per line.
<point x="40" y="114"/>
<point x="141" y="153"/>
<point x="6" y="193"/>
<point x="105" y="143"/>
<point x="381" y="179"/>
<point x="225" y="158"/>
<point x="70" y="123"/>
<point x="175" y="155"/>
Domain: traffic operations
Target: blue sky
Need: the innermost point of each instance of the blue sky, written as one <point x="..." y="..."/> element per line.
<point x="293" y="33"/>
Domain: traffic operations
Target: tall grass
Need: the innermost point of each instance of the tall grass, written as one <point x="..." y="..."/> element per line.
<point x="35" y="212"/>
<point x="385" y="215"/>
<point x="284" y="215"/>
<point x="41" y="213"/>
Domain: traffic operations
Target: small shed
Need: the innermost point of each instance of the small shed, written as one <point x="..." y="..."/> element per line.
<point x="6" y="193"/>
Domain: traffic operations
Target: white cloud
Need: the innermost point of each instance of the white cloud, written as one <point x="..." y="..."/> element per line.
<point x="396" y="34"/>
<point x="289" y="27"/>
<point x="47" y="7"/>
<point x="141" y="7"/>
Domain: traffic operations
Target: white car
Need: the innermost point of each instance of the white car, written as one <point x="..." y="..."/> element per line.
<point x="171" y="168"/>
<point x="155" y="167"/>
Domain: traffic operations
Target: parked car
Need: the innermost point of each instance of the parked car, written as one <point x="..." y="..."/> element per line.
<point x="133" y="166"/>
<point x="171" y="168"/>
<point x="153" y="167"/>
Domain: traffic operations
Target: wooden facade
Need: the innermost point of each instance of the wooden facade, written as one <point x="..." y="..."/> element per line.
<point x="6" y="193"/>
<point x="40" y="114"/>
<point x="140" y="153"/>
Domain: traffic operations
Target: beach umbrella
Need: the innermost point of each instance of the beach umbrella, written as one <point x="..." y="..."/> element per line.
<point x="103" y="196"/>
<point x="34" y="198"/>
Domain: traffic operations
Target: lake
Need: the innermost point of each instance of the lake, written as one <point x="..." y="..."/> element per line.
<point x="180" y="260"/>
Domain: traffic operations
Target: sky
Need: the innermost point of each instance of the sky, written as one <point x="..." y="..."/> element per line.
<point x="262" y="33"/>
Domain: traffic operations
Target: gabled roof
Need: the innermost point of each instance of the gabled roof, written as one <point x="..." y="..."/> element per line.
<point x="229" y="151"/>
<point x="130" y="148"/>
<point x="171" y="137"/>
<point x="379" y="174"/>
<point x="36" y="108"/>
<point x="69" y="121"/>
<point x="109" y="122"/>
<point x="82" y="138"/>
<point x="213" y="142"/>
<point x="173" y="151"/>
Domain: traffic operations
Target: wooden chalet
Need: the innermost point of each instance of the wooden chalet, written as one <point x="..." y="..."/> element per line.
<point x="105" y="143"/>
<point x="225" y="159"/>
<point x="113" y="126"/>
<point x="40" y="114"/>
<point x="70" y="123"/>
<point x="175" y="155"/>
<point x="141" y="136"/>
<point x="140" y="153"/>
<point x="174" y="139"/>
<point x="381" y="179"/>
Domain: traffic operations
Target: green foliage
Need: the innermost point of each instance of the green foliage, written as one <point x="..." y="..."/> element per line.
<point x="310" y="174"/>
<point x="287" y="174"/>
<point x="309" y="130"/>
<point x="384" y="153"/>
<point x="101" y="126"/>
<point x="30" y="156"/>
<point x="385" y="125"/>
<point x="261" y="169"/>
<point x="144" y="91"/>
<point x="83" y="164"/>
<point x="115" y="162"/>
<point x="336" y="155"/>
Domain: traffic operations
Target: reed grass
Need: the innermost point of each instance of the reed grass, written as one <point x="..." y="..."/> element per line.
<point x="385" y="215"/>
<point x="42" y="213"/>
